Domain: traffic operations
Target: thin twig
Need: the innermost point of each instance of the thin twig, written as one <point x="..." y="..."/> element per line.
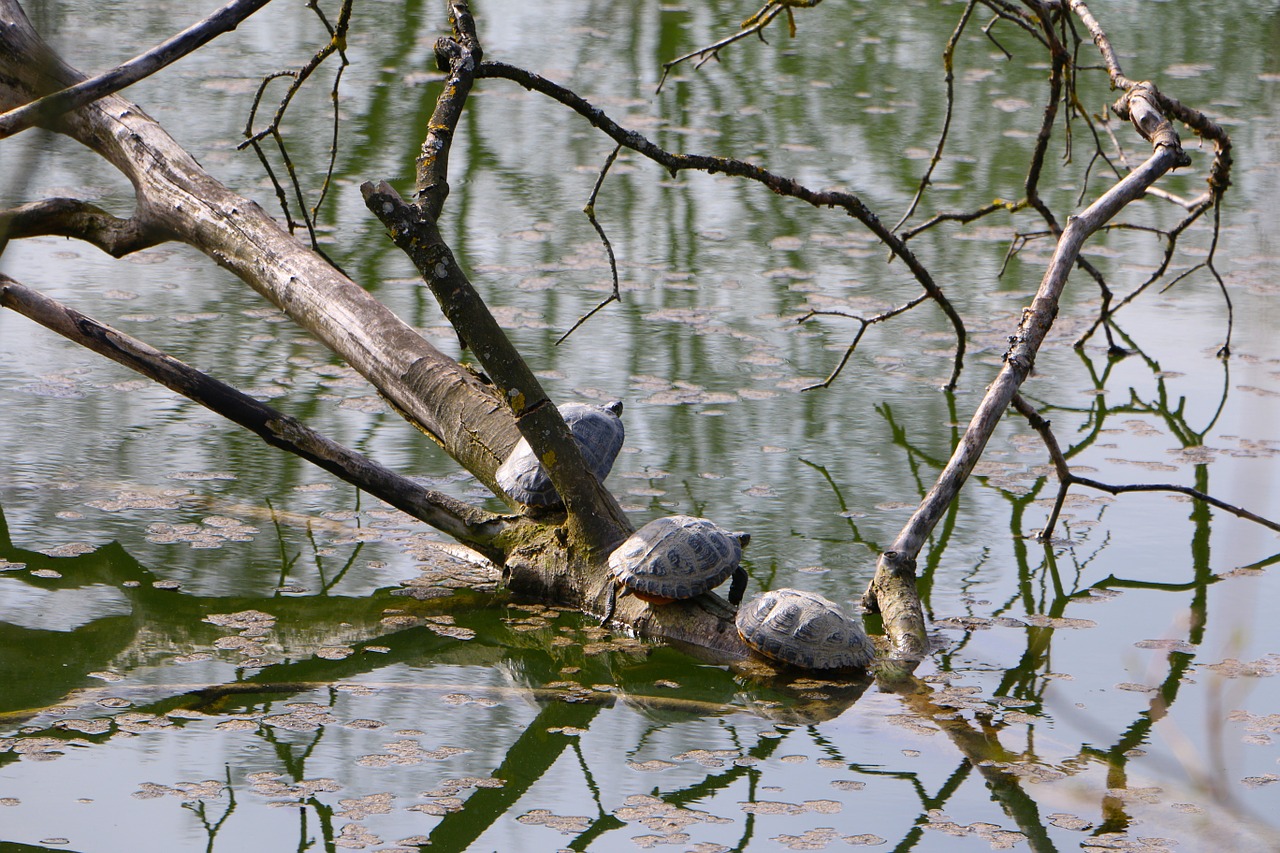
<point x="864" y="323"/>
<point x="590" y="211"/>
<point x="948" y="64"/>
<point x="754" y="25"/>
<point x="337" y="44"/>
<point x="674" y="163"/>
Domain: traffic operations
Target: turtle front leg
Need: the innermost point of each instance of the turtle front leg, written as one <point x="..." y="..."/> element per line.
<point x="611" y="604"/>
<point x="737" y="586"/>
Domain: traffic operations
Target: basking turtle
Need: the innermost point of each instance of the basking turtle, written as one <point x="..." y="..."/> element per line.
<point x="676" y="557"/>
<point x="805" y="630"/>
<point x="598" y="432"/>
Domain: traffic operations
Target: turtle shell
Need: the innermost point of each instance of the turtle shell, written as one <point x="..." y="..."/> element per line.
<point x="598" y="432"/>
<point x="678" y="556"/>
<point x="803" y="629"/>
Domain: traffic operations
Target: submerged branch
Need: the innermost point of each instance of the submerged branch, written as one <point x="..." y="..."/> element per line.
<point x="462" y="521"/>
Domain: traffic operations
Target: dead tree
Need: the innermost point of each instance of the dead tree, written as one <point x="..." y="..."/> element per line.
<point x="477" y="419"/>
<point x="557" y="556"/>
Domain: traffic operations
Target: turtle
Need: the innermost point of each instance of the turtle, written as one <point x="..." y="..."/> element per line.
<point x="675" y="557"/>
<point x="803" y="629"/>
<point x="597" y="430"/>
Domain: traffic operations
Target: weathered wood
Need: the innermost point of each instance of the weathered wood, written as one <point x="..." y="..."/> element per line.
<point x="177" y="198"/>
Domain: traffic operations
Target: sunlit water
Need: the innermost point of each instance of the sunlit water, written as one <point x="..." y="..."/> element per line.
<point x="1118" y="688"/>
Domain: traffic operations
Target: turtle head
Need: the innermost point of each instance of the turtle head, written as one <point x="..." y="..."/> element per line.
<point x="614" y="408"/>
<point x="744" y="539"/>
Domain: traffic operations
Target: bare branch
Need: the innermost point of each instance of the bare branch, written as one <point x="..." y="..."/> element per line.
<point x="70" y="217"/>
<point x="892" y="589"/>
<point x="460" y="58"/>
<point x="590" y="211"/>
<point x="752" y="26"/>
<point x="588" y="503"/>
<point x="674" y="163"/>
<point x="864" y="323"/>
<point x="1066" y="479"/>
<point x="337" y="44"/>
<point x="176" y="196"/>
<point x="465" y="523"/>
<point x="965" y="218"/>
<point x="948" y="65"/>
<point x="197" y="35"/>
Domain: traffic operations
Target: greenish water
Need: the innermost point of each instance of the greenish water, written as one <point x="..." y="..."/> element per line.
<point x="1117" y="688"/>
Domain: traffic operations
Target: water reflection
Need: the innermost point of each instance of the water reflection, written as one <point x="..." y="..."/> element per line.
<point x="326" y="700"/>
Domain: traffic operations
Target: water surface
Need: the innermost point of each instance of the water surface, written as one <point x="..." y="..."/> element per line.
<point x="206" y="644"/>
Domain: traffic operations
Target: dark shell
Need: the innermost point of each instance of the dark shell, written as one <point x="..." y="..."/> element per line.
<point x="677" y="557"/>
<point x="598" y="432"/>
<point x="803" y="629"/>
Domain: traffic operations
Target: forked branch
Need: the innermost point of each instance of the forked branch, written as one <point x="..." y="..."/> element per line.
<point x="863" y="322"/>
<point x="253" y="139"/>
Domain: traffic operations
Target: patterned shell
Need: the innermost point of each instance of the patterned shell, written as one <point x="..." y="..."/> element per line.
<point x="805" y="630"/>
<point x="678" y="556"/>
<point x="598" y="432"/>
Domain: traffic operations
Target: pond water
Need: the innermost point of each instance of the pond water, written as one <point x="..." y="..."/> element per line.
<point x="207" y="645"/>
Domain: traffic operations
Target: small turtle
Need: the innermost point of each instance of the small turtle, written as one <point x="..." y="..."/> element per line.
<point x="676" y="557"/>
<point x="598" y="432"/>
<point x="805" y="630"/>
